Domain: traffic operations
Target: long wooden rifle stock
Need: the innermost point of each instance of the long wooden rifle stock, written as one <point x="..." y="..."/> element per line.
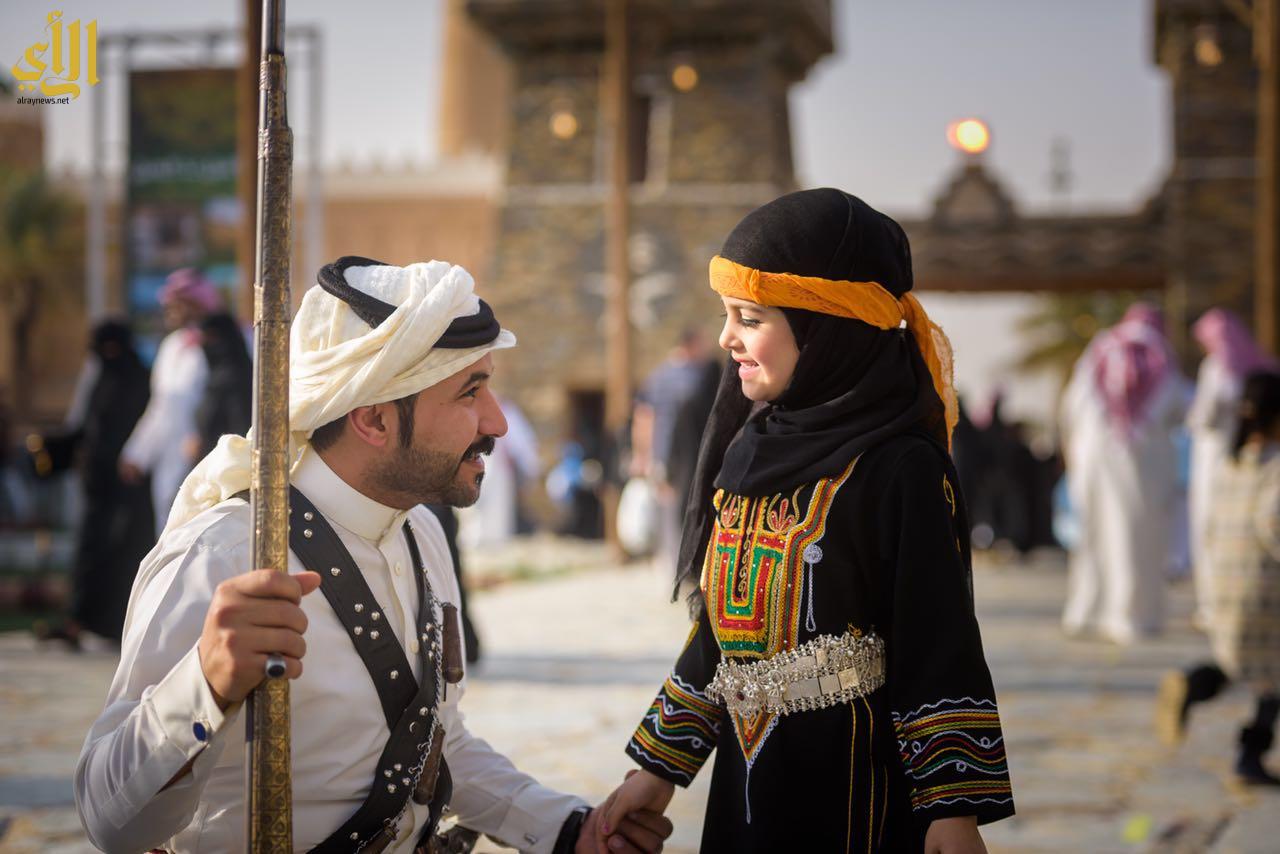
<point x="270" y="812"/>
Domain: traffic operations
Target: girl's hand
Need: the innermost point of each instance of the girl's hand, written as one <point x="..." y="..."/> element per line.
<point x="957" y="835"/>
<point x="640" y="791"/>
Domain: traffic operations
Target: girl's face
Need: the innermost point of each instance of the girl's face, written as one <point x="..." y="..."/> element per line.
<point x="760" y="340"/>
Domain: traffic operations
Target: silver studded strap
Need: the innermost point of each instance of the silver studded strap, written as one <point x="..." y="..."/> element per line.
<point x="410" y="708"/>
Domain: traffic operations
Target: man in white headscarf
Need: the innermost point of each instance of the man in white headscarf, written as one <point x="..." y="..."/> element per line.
<point x="1125" y="399"/>
<point x="389" y="409"/>
<point x="157" y="445"/>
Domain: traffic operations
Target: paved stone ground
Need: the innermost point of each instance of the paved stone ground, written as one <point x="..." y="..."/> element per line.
<point x="573" y="661"/>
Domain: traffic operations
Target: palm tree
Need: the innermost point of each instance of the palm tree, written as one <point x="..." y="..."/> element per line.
<point x="1060" y="331"/>
<point x="35" y="250"/>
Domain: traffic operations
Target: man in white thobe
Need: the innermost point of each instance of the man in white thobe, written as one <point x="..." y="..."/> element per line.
<point x="157" y="445"/>
<point x="388" y="410"/>
<point x="1120" y="409"/>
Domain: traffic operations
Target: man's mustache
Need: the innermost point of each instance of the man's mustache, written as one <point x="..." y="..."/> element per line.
<point x="482" y="446"/>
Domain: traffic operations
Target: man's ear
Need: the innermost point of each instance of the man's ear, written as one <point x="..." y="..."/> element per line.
<point x="371" y="424"/>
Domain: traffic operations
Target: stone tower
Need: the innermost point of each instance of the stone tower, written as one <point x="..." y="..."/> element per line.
<point x="1205" y="47"/>
<point x="711" y="139"/>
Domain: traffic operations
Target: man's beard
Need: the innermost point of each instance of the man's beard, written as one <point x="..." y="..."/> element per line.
<point x="428" y="476"/>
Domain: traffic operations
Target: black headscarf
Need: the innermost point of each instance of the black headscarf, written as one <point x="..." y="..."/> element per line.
<point x="226" y="405"/>
<point x="854" y="385"/>
<point x="116" y="402"/>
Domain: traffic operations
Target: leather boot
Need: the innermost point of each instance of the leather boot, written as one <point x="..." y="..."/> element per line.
<point x="1255" y="741"/>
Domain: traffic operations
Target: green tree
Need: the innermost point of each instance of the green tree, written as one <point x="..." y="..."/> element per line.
<point x="1058" y="333"/>
<point x="35" y="250"/>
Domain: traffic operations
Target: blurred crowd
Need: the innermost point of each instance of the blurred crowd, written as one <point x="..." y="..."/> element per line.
<point x="1147" y="507"/>
<point x="1153" y="479"/>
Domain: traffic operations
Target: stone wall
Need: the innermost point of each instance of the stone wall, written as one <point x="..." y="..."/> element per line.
<point x="1207" y="51"/>
<point x="713" y="152"/>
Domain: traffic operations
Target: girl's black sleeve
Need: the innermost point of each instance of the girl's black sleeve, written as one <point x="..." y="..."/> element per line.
<point x="941" y="696"/>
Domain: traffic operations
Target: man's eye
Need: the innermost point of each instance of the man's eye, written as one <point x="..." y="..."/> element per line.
<point x="471" y="392"/>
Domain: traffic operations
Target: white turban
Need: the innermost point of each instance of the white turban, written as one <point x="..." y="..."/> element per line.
<point x="338" y="362"/>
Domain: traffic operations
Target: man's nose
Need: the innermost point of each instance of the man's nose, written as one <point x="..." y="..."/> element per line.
<point x="492" y="421"/>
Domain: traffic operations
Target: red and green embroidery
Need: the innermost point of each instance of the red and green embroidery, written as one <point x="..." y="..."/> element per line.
<point x="679" y="731"/>
<point x="953" y="750"/>
<point x="752" y="576"/>
<point x="753" y="579"/>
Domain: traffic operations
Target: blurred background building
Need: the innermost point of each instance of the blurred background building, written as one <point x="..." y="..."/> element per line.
<point x="516" y="189"/>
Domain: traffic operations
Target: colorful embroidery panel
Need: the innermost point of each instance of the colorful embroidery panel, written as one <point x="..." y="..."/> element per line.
<point x="953" y="750"/>
<point x="752" y="577"/>
<point x="678" y="732"/>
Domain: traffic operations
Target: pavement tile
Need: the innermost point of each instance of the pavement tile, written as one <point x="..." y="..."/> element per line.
<point x="573" y="659"/>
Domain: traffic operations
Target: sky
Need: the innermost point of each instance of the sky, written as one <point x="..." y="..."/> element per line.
<point x="870" y="119"/>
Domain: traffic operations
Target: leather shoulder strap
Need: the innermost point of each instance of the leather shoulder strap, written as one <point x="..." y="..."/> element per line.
<point x="317" y="545"/>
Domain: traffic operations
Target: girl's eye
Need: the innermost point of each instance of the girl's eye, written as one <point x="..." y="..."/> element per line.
<point x="749" y="322"/>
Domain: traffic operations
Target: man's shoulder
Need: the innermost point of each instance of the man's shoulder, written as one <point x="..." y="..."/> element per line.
<point x="191" y="560"/>
<point x="224" y="527"/>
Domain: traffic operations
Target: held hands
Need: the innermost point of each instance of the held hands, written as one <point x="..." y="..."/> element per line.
<point x="958" y="835"/>
<point x="642" y="832"/>
<point x="626" y="820"/>
<point x="251" y="616"/>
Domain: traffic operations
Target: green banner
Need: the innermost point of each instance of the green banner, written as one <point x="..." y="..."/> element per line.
<point x="182" y="205"/>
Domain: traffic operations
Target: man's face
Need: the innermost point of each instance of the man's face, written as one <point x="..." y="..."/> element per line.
<point x="455" y="422"/>
<point x="179" y="312"/>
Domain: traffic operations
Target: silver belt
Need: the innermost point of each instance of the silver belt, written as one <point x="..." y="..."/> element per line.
<point x="826" y="671"/>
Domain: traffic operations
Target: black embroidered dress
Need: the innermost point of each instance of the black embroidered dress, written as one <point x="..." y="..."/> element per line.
<point x="880" y="549"/>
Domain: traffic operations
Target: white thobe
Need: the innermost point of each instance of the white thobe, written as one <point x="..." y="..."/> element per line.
<point x="1125" y="493"/>
<point x="147" y="731"/>
<point x="1211" y="419"/>
<point x="156" y="445"/>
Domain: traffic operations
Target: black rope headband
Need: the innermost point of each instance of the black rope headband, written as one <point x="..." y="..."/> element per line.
<point x="474" y="330"/>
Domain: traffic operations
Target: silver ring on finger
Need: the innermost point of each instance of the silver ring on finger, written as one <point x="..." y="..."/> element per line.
<point x="275" y="666"/>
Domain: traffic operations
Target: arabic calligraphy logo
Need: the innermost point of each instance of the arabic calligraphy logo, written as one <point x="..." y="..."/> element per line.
<point x="60" y="77"/>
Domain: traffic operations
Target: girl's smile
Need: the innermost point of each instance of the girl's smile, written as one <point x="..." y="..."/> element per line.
<point x="760" y="340"/>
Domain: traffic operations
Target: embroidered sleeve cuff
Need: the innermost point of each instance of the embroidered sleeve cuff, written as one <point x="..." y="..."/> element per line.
<point x="184" y="706"/>
<point x="678" y="732"/>
<point x="953" y="755"/>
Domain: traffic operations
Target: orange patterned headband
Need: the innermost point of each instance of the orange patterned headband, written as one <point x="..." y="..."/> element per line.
<point x="865" y="301"/>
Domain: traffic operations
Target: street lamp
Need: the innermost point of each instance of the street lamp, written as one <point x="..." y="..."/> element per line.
<point x="972" y="136"/>
<point x="564" y="124"/>
<point x="1207" y="49"/>
<point x="684" y="77"/>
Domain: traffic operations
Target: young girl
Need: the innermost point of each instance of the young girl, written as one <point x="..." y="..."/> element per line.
<point x="835" y="660"/>
<point x="1242" y="547"/>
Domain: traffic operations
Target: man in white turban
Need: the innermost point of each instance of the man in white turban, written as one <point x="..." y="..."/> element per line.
<point x="389" y="409"/>
<point x="157" y="446"/>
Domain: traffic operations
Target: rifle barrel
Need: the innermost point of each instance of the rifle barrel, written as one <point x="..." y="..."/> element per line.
<point x="270" y="812"/>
